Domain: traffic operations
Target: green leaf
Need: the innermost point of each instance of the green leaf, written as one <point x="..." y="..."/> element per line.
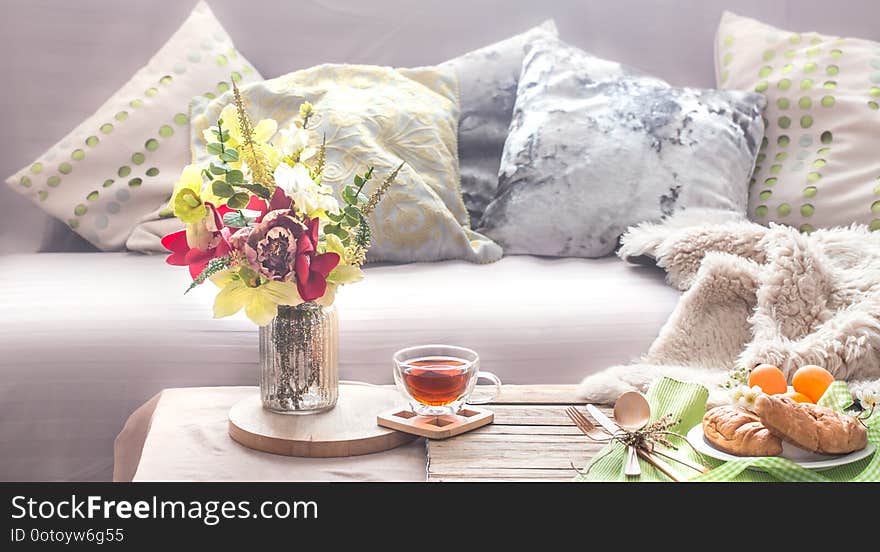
<point x="222" y="189"/>
<point x="238" y="201"/>
<point x="257" y="189"/>
<point x="350" y="193"/>
<point x="218" y="169"/>
<point x="214" y="148"/>
<point x="236" y="219"/>
<point x="352" y="214"/>
<point x="358" y="180"/>
<point x="336" y="217"/>
<point x="229" y="155"/>
<point x="353" y="196"/>
<point x="336" y="230"/>
<point x="214" y="266"/>
<point x="234" y="176"/>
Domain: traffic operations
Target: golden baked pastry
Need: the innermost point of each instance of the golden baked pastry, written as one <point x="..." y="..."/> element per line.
<point x="737" y="431"/>
<point x="810" y="426"/>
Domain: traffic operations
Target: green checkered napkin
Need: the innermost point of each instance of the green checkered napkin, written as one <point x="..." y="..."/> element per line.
<point x="687" y="401"/>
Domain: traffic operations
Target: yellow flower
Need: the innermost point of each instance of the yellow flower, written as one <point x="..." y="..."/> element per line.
<point x="259" y="302"/>
<point x="263" y="131"/>
<point x="186" y="200"/>
<point x="345" y="274"/>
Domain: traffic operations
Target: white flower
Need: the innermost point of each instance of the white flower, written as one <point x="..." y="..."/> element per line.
<point x="746" y="396"/>
<point x="294" y="142"/>
<point x="307" y="195"/>
<point x="736" y="394"/>
<point x="868" y="398"/>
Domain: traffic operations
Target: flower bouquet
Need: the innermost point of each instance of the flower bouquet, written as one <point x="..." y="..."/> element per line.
<point x="264" y="229"/>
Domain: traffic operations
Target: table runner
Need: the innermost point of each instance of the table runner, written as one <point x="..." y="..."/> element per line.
<point x="687" y="402"/>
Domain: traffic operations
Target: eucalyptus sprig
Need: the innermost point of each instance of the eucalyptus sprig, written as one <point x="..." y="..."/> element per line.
<point x="351" y="225"/>
<point x="224" y="179"/>
<point x="351" y="214"/>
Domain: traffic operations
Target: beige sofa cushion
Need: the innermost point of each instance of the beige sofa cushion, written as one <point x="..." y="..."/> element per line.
<point x="818" y="166"/>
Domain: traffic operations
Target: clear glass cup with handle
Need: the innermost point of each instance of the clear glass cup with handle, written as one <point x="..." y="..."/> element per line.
<point x="440" y="379"/>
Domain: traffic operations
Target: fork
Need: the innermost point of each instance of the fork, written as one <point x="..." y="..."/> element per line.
<point x="591" y="431"/>
<point x="586" y="426"/>
<point x="595" y="433"/>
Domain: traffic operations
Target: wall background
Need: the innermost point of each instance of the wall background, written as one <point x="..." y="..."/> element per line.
<point x="61" y="59"/>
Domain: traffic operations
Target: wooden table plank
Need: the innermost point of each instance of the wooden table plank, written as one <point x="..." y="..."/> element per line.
<point x="539" y="394"/>
<point x="503" y="429"/>
<point x="531" y="440"/>
<point x="536" y="414"/>
<point x="503" y="474"/>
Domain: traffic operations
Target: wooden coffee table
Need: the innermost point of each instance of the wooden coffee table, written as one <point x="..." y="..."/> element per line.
<point x="181" y="434"/>
<point x="531" y="440"/>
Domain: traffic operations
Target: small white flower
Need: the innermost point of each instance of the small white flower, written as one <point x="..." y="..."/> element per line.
<point x="294" y="142"/>
<point x="746" y="396"/>
<point x="307" y="195"/>
<point x="868" y="398"/>
<point x="736" y="394"/>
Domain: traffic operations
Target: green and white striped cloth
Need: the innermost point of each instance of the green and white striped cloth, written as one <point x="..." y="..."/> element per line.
<point x="687" y="401"/>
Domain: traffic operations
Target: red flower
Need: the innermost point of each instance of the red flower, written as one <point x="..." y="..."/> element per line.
<point x="281" y="248"/>
<point x="311" y="269"/>
<point x="278" y="201"/>
<point x="212" y="236"/>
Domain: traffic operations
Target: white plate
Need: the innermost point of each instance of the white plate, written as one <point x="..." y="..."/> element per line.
<point x="804" y="458"/>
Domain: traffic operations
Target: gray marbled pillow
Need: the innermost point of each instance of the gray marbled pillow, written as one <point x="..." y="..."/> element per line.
<point x="487" y="83"/>
<point x="595" y="147"/>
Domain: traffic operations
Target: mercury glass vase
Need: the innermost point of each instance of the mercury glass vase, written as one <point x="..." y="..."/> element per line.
<point x="299" y="360"/>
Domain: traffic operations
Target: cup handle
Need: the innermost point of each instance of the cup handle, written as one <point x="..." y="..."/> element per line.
<point x="494" y="379"/>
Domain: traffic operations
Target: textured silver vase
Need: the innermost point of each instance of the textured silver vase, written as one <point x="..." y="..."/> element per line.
<point x="299" y="360"/>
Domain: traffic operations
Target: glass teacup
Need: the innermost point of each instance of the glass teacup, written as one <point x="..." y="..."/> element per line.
<point x="439" y="379"/>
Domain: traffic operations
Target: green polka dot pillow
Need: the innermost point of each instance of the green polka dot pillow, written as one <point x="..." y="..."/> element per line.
<point x="818" y="165"/>
<point x="121" y="163"/>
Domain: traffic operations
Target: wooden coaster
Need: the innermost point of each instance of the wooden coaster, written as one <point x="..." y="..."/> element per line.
<point x="436" y="427"/>
<point x="346" y="430"/>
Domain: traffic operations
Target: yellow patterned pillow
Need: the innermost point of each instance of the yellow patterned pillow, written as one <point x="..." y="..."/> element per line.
<point x="380" y="116"/>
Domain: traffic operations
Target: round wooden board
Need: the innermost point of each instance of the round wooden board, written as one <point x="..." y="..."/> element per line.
<point x="349" y="429"/>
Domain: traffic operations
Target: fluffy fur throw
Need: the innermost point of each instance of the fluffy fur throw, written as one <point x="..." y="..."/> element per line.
<point x="754" y="294"/>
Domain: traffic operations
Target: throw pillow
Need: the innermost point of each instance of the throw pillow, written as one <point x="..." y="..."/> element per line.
<point x="595" y="147"/>
<point x="379" y="116"/>
<point x="121" y="163"/>
<point x="818" y="166"/>
<point x="487" y="82"/>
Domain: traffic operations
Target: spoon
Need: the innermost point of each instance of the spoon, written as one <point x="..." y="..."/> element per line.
<point x="632" y="412"/>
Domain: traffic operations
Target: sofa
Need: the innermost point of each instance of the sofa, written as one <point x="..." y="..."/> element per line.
<point x="86" y="337"/>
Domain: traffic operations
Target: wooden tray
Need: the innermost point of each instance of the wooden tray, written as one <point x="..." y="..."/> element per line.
<point x="436" y="427"/>
<point x="349" y="429"/>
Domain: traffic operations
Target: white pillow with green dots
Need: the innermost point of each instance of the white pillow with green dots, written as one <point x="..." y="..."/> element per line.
<point x="121" y="163"/>
<point x="818" y="166"/>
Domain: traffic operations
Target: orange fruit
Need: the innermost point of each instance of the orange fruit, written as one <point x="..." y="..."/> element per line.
<point x="812" y="381"/>
<point x="769" y="378"/>
<point x="797" y="397"/>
